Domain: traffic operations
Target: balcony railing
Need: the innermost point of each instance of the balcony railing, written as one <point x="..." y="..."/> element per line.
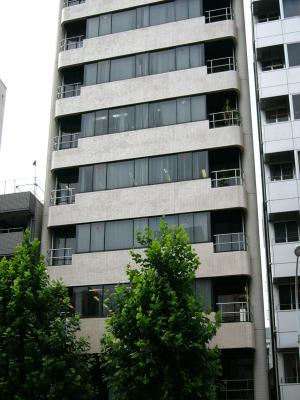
<point x="226" y="177"/>
<point x="234" y="312"/>
<point x="220" y="65"/>
<point x="61" y="256"/>
<point x="69" y="90"/>
<point x="72" y="43"/>
<point x="224" y="118"/>
<point x="66" y="141"/>
<point x="63" y="196"/>
<point x="11" y="230"/>
<point x="229" y="242"/>
<point x="239" y="389"/>
<point x="219" y="14"/>
<point x="69" y="3"/>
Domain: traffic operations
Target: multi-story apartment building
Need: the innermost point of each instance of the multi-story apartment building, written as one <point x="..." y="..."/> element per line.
<point x="277" y="50"/>
<point x="151" y="117"/>
<point x="2" y="104"/>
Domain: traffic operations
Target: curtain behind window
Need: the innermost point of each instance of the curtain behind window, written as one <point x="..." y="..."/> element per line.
<point x="88" y="124"/>
<point x="162" y="61"/>
<point x="124" y="21"/>
<point x="119" y="235"/>
<point x="203" y="292"/>
<point x="105" y="24"/>
<point x="103" y="71"/>
<point x="162" y="113"/>
<point x="294" y="54"/>
<point x="122" y="68"/>
<point x="120" y="174"/>
<point x="162" y="13"/>
<point x="163" y="169"/>
<point x="122" y="119"/>
<point x="181" y="9"/>
<point x="86" y="179"/>
<point x="142" y="64"/>
<point x="185" y="167"/>
<point x="97" y="236"/>
<point x="195" y="8"/>
<point x="187" y="222"/>
<point x="141" y="172"/>
<point x="143" y="17"/>
<point x="83" y="238"/>
<point x="92" y="27"/>
<point x="202" y="227"/>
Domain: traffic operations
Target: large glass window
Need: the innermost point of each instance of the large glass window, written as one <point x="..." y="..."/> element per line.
<point x="118" y="235"/>
<point x="282" y="171"/>
<point x="286" y="231"/>
<point x="122" y="68"/>
<point x="294" y="54"/>
<point x="287" y="296"/>
<point x="291" y="367"/>
<point x="144" y="171"/>
<point x="120" y="174"/>
<point x="141" y="17"/>
<point x="156" y="62"/>
<point x="291" y="8"/>
<point x="142" y="116"/>
<point x="296" y="105"/>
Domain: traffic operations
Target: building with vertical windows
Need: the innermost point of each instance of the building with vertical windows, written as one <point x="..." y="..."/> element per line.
<point x="150" y="118"/>
<point x="2" y="104"/>
<point x="277" y="51"/>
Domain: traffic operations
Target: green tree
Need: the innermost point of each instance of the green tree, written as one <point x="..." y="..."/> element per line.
<point x="41" y="356"/>
<point x="156" y="344"/>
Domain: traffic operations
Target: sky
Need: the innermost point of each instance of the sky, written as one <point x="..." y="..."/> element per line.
<point x="27" y="49"/>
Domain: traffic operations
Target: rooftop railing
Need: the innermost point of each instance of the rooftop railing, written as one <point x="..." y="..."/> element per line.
<point x="224" y="118"/>
<point x="226" y="177"/>
<point x="220" y="65"/>
<point x="66" y="141"/>
<point x="72" y="43"/>
<point x="69" y="90"/>
<point x="219" y="14"/>
<point x="237" y="389"/>
<point x="69" y="3"/>
<point x="22" y="185"/>
<point x="62" y="196"/>
<point x="234" y="312"/>
<point x="61" y="256"/>
<point x="229" y="242"/>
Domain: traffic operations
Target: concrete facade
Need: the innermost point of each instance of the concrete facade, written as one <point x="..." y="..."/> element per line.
<point x="2" y="105"/>
<point x="277" y="35"/>
<point x="212" y="195"/>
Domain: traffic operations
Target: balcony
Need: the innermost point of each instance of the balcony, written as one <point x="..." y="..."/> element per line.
<point x="66" y="141"/>
<point x="60" y="256"/>
<point x="70" y="43"/>
<point x="226" y="177"/>
<point x="63" y="196"/>
<point x="239" y="389"/>
<point x="230" y="242"/>
<point x="234" y="312"/>
<point x="218" y="14"/>
<point x="69" y="90"/>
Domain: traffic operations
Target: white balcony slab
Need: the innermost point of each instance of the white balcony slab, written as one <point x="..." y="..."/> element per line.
<point x="146" y="89"/>
<point x="144" y="201"/>
<point x="110" y="267"/>
<point x="147" y="142"/>
<point x="283" y="196"/>
<point x="286" y="326"/>
<point x="283" y="259"/>
<point x="290" y="391"/>
<point x="236" y="335"/>
<point x="173" y="34"/>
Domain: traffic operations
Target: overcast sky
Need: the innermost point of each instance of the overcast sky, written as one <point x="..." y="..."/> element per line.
<point x="27" y="48"/>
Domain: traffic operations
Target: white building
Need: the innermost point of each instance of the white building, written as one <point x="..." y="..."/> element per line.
<point x="151" y="117"/>
<point x="277" y="39"/>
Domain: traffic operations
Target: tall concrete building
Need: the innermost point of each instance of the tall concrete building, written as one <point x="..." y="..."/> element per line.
<point x="2" y="104"/>
<point x="277" y="45"/>
<point x="151" y="117"/>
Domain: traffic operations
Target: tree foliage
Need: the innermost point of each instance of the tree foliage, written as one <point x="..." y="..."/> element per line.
<point x="156" y="345"/>
<point x="41" y="356"/>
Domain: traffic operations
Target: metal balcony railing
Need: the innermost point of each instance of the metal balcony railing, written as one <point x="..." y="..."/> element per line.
<point x="69" y="3"/>
<point x="219" y="14"/>
<point x="69" y="90"/>
<point x="66" y="141"/>
<point x="61" y="256"/>
<point x="226" y="177"/>
<point x="72" y="43"/>
<point x="238" y="389"/>
<point x="234" y="312"/>
<point x="224" y="118"/>
<point x="11" y="230"/>
<point x="62" y="196"/>
<point x="220" y="65"/>
<point x="229" y="242"/>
